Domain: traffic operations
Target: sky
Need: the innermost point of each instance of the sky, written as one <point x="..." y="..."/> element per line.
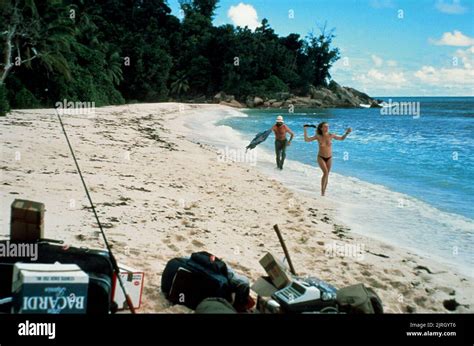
<point x="388" y="47"/>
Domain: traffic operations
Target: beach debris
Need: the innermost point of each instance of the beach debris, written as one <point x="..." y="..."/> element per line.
<point x="135" y="188"/>
<point x="151" y="134"/>
<point x="105" y="225"/>
<point x="378" y="254"/>
<point x="341" y="231"/>
<point x="424" y="268"/>
<point x="80" y="237"/>
<point x="427" y="270"/>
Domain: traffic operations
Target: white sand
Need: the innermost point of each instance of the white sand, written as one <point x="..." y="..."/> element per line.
<point x="165" y="196"/>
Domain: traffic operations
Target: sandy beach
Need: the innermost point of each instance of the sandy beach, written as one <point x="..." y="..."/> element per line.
<point x="161" y="195"/>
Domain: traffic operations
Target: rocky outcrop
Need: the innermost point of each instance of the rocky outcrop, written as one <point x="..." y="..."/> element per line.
<point x="232" y="103"/>
<point x="332" y="96"/>
<point x="257" y="101"/>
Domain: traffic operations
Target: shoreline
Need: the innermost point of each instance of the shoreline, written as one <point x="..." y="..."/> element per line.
<point x="164" y="196"/>
<point x="303" y="178"/>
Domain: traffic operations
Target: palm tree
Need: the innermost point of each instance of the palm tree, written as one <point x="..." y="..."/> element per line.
<point x="180" y="84"/>
<point x="29" y="35"/>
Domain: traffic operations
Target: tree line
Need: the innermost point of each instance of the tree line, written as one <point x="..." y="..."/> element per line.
<point x="117" y="51"/>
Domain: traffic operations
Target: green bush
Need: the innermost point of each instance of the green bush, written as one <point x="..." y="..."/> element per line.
<point x="267" y="88"/>
<point x="4" y="106"/>
<point x="24" y="99"/>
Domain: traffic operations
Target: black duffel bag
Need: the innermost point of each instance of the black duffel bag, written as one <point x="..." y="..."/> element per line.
<point x="188" y="281"/>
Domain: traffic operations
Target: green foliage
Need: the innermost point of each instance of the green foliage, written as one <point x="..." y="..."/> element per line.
<point x="24" y="99"/>
<point x="121" y="51"/>
<point x="268" y="87"/>
<point x="320" y="57"/>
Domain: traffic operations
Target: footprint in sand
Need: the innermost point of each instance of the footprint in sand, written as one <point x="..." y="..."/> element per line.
<point x="170" y="245"/>
<point x="197" y="243"/>
<point x="397" y="284"/>
<point x="376" y="284"/>
<point x="421" y="301"/>
<point x="193" y="232"/>
<point x="180" y="237"/>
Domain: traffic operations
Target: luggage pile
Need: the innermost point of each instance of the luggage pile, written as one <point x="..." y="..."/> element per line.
<point x="60" y="279"/>
<point x="39" y="275"/>
<point x="283" y="292"/>
<point x="206" y="284"/>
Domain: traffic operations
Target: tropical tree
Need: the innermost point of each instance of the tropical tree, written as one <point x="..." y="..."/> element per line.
<point x="115" y="51"/>
<point x="30" y="32"/>
<point x="180" y="85"/>
<point x="320" y="56"/>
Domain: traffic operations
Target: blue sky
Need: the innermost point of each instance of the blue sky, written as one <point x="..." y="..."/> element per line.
<point x="388" y="47"/>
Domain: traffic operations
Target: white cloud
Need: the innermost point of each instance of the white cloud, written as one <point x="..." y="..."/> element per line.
<point x="461" y="74"/>
<point x="391" y="63"/>
<point x="382" y="80"/>
<point x="456" y="38"/>
<point x="378" y="61"/>
<point x="447" y="76"/>
<point x="467" y="57"/>
<point x="244" y="15"/>
<point x="453" y="7"/>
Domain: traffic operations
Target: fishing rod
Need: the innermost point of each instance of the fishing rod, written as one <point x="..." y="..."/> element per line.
<point x="112" y="258"/>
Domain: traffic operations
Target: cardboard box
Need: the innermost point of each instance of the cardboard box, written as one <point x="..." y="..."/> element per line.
<point x="133" y="281"/>
<point x="276" y="270"/>
<point x="27" y="221"/>
<point x="49" y="289"/>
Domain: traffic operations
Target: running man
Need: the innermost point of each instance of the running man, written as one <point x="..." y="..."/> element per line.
<point x="324" y="139"/>
<point x="280" y="130"/>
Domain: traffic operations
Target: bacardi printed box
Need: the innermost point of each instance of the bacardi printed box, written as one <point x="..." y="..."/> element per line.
<point x="133" y="281"/>
<point x="49" y="289"/>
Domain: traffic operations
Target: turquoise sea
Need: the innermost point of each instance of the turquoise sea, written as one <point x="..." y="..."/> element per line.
<point x="403" y="178"/>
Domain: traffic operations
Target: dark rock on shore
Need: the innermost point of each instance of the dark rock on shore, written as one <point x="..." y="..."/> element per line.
<point x="332" y="96"/>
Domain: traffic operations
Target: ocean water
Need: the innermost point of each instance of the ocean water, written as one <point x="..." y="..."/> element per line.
<point x="402" y="178"/>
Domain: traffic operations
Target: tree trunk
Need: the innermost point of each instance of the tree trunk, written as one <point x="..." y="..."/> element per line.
<point x="8" y="53"/>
